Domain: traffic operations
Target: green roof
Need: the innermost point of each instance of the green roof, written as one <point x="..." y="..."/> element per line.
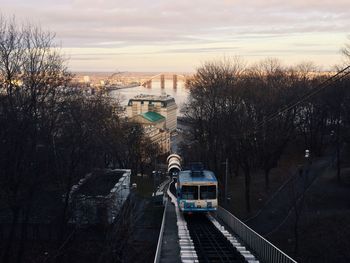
<point x="152" y="116"/>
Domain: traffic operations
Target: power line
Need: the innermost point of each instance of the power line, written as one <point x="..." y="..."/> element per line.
<point x="325" y="84"/>
<point x="320" y="87"/>
<point x="338" y="76"/>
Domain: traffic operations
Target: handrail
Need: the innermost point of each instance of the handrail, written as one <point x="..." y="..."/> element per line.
<point x="161" y="232"/>
<point x="263" y="249"/>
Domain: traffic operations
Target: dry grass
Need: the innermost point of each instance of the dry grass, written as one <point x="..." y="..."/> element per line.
<point x="259" y="195"/>
<point x="324" y="226"/>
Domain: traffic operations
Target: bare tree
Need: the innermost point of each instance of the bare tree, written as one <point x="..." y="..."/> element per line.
<point x="30" y="71"/>
<point x="272" y="88"/>
<point x="51" y="133"/>
<point x="346" y="52"/>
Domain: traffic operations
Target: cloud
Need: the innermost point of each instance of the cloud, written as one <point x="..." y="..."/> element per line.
<point x="181" y="26"/>
<point x="136" y="22"/>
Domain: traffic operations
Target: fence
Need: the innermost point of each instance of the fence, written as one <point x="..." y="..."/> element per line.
<point x="161" y="232"/>
<point x="263" y="249"/>
<point x="163" y="188"/>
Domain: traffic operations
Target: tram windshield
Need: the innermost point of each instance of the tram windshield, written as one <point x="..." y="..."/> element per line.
<point x="208" y="192"/>
<point x="189" y="192"/>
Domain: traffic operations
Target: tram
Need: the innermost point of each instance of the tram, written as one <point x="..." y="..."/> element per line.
<point x="197" y="190"/>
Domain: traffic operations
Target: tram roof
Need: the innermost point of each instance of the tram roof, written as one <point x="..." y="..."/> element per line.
<point x="186" y="176"/>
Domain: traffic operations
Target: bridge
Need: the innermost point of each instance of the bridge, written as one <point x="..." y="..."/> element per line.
<point x="163" y="76"/>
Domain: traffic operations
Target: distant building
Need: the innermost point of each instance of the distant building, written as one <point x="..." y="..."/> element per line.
<point x="150" y="118"/>
<point x="160" y="137"/>
<point x="164" y="105"/>
<point x="154" y="127"/>
<point x="86" y="79"/>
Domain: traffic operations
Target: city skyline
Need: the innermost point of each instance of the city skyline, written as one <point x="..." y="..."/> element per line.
<point x="106" y="35"/>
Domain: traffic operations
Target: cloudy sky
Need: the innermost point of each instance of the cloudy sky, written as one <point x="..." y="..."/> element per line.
<point x="179" y="35"/>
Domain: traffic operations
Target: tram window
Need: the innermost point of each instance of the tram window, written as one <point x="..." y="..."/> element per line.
<point x="208" y="192"/>
<point x="189" y="192"/>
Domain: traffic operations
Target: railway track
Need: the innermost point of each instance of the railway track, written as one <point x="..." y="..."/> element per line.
<point x="210" y="244"/>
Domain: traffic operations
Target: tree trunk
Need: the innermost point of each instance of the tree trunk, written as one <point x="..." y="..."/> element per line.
<point x="338" y="154"/>
<point x="267" y="178"/>
<point x="24" y="228"/>
<point x="236" y="172"/>
<point x="296" y="232"/>
<point x="8" y="252"/>
<point x="247" y="188"/>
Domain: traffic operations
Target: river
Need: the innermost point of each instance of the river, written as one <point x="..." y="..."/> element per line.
<point x="180" y="94"/>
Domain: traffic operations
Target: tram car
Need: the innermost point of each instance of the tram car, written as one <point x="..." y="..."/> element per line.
<point x="197" y="190"/>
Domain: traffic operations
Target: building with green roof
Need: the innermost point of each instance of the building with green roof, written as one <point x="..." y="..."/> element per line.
<point x="154" y="125"/>
<point x="164" y="105"/>
<point x="150" y="118"/>
<point x="153" y="116"/>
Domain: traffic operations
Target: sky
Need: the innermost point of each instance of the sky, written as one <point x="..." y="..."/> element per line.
<point x="180" y="35"/>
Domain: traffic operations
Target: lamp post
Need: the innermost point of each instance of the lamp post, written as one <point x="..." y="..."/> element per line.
<point x="298" y="202"/>
<point x="226" y="173"/>
<point x="154" y="183"/>
<point x="225" y="181"/>
<point x="307" y="164"/>
<point x="156" y="176"/>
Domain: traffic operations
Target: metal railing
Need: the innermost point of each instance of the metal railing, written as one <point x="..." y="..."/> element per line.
<point x="263" y="249"/>
<point x="161" y="232"/>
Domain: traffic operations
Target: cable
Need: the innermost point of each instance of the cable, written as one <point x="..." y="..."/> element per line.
<point x="325" y="84"/>
<point x="338" y="76"/>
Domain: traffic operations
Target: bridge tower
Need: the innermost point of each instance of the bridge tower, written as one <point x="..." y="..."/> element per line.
<point x="149" y="84"/>
<point x="174" y="81"/>
<point x="162" y="81"/>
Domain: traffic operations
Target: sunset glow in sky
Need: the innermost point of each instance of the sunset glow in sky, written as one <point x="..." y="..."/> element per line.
<point x="169" y="35"/>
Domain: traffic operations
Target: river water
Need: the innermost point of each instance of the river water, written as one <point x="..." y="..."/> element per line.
<point x="180" y="94"/>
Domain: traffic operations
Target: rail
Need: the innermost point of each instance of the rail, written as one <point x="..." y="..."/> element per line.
<point x="263" y="249"/>
<point x="161" y="232"/>
<point x="210" y="243"/>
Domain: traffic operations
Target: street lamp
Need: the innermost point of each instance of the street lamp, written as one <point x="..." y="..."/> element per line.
<point x="307" y="163"/>
<point x="156" y="177"/>
<point x="154" y="182"/>
<point x="307" y="154"/>
<point x="225" y="182"/>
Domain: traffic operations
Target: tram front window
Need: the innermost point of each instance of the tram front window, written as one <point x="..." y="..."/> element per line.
<point x="189" y="192"/>
<point x="208" y="192"/>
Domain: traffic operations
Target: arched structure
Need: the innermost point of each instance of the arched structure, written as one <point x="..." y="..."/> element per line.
<point x="174" y="164"/>
<point x="163" y="76"/>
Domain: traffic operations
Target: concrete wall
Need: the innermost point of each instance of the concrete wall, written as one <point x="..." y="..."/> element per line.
<point x="100" y="209"/>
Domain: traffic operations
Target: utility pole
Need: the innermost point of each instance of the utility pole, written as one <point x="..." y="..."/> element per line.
<point x="155" y="174"/>
<point x="154" y="183"/>
<point x="338" y="149"/>
<point x="226" y="174"/>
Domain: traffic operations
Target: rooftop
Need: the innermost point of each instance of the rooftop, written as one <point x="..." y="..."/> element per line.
<point x="152" y="97"/>
<point x="186" y="176"/>
<point x="101" y="183"/>
<point x="152" y="116"/>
